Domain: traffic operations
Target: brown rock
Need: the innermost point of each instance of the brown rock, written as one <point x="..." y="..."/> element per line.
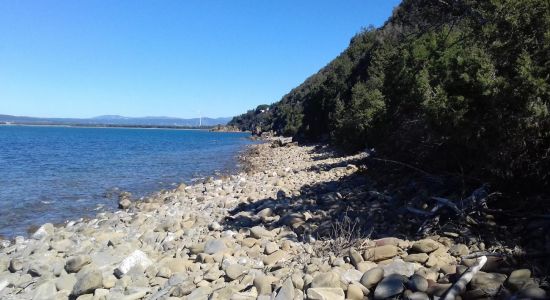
<point x="271" y="247"/>
<point x="325" y="294"/>
<point x="372" y="277"/>
<point x="518" y="279"/>
<point x="425" y="246"/>
<point x="418" y="283"/>
<point x="16" y="264"/>
<point x="381" y="253"/>
<point x="262" y="284"/>
<point x="355" y="257"/>
<point x="459" y="250"/>
<point x="490" y="283"/>
<point x="235" y="271"/>
<point x="249" y="242"/>
<point x="328" y="280"/>
<point x="275" y="257"/>
<point x="75" y="263"/>
<point x="355" y="292"/>
<point x="416" y="257"/>
<point x="87" y="282"/>
<point x="365" y="266"/>
<point x="260" y="232"/>
<point x="438" y="289"/>
<point x="532" y="292"/>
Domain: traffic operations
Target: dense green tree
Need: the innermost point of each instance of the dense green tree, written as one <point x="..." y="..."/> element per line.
<point x="448" y="85"/>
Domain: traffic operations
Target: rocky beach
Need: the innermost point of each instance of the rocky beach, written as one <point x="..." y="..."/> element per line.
<point x="299" y="222"/>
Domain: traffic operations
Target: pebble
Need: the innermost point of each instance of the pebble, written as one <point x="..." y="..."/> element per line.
<point x="518" y="279"/>
<point x="4" y="262"/>
<point x="214" y="247"/>
<point x="372" y="277"/>
<point x="45" y="290"/>
<point x="271" y="247"/>
<point x="459" y="250"/>
<point x="260" y="232"/>
<point x="236" y="238"/>
<point x="43" y="231"/>
<point x="418" y="283"/>
<point x="275" y="257"/>
<point x="235" y="271"/>
<point x="354" y="292"/>
<point x="66" y="282"/>
<point x="381" y="253"/>
<point x="75" y="263"/>
<point x="136" y="258"/>
<point x="533" y="293"/>
<point x="297" y="281"/>
<point x="87" y="282"/>
<point x="350" y="276"/>
<point x="328" y="280"/>
<point x="489" y="283"/>
<point x="425" y="246"/>
<point x="417" y="258"/>
<point x="389" y="286"/>
<point x="262" y="284"/>
<point x="286" y="292"/>
<point x="16" y="264"/>
<point x="124" y="203"/>
<point x="323" y="293"/>
<point x="164" y="272"/>
<point x="417" y="296"/>
<point x="400" y="267"/>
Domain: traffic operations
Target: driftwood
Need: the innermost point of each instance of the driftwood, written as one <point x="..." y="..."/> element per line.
<point x="514" y="255"/>
<point x="448" y="203"/>
<point x="426" y="226"/>
<point x="475" y="203"/>
<point x="460" y="286"/>
<point x="420" y="212"/>
<point x="481" y="254"/>
<point x="402" y="164"/>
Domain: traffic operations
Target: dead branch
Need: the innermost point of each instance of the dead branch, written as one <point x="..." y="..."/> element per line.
<point x="402" y="164"/>
<point x="516" y="255"/>
<point x="448" y="203"/>
<point x="420" y="212"/>
<point x="460" y="286"/>
<point x="481" y="254"/>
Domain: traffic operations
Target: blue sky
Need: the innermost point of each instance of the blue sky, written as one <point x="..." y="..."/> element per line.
<point x="169" y="57"/>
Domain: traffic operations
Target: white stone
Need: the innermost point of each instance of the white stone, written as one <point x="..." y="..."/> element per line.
<point x="351" y="275"/>
<point x="325" y="294"/>
<point x="45" y="291"/>
<point x="3" y="284"/>
<point x="43" y="231"/>
<point x="137" y="258"/>
<point x="400" y="267"/>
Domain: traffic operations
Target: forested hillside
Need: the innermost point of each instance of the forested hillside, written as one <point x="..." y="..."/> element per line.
<point x="451" y="86"/>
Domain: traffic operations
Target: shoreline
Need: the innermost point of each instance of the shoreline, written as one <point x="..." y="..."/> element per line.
<point x="280" y="227"/>
<point x="81" y="182"/>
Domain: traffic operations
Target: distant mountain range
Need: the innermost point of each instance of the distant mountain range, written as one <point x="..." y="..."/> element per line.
<point x="116" y="120"/>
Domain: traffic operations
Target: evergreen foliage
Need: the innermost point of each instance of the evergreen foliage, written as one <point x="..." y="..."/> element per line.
<point x="453" y="86"/>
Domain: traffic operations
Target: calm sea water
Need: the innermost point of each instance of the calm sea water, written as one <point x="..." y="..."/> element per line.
<point x="52" y="174"/>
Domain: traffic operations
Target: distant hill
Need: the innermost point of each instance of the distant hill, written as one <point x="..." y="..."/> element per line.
<point x="117" y="121"/>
